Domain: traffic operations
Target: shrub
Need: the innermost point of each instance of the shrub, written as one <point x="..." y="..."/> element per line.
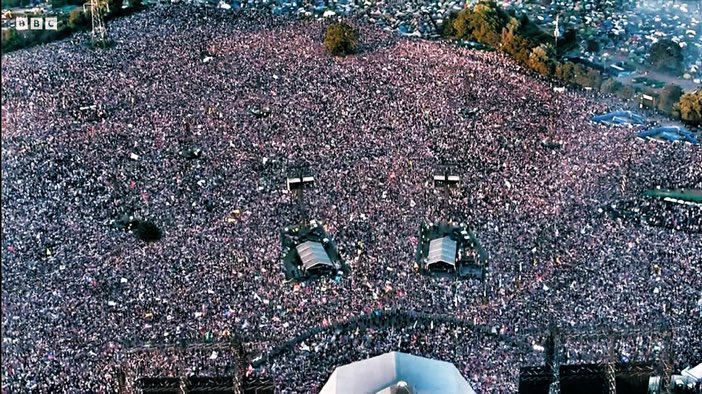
<point x="447" y="29"/>
<point x="626" y="92"/>
<point x="666" y="56"/>
<point x="565" y="71"/>
<point x="341" y="39"/>
<point x="690" y="106"/>
<point x="77" y="18"/>
<point x="611" y="86"/>
<point x="541" y="59"/>
<point x="669" y="96"/>
<point x="461" y="26"/>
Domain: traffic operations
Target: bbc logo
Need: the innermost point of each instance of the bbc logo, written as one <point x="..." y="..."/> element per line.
<point x="36" y="23"/>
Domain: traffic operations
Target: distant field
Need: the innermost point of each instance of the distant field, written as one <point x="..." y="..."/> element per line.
<point x="680" y="194"/>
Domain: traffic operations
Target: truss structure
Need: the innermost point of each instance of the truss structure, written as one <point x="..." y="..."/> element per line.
<point x="97" y="10"/>
<point x="130" y="382"/>
<point x="661" y="360"/>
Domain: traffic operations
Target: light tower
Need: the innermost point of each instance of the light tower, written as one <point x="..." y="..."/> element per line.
<point x="99" y="32"/>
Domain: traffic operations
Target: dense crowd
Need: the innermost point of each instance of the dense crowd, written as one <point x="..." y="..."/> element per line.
<point x="78" y="294"/>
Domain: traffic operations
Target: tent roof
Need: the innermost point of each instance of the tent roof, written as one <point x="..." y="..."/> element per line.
<point x="442" y="250"/>
<point x="313" y="255"/>
<point x="620" y="117"/>
<point x="695" y="373"/>
<point x="376" y="374"/>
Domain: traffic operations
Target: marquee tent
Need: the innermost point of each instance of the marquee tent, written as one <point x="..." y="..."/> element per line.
<point x="442" y="250"/>
<point x="313" y="255"/>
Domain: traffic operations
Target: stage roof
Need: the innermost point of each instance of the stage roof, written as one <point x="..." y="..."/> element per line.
<point x="377" y="374"/>
<point x="313" y="255"/>
<point x="442" y="250"/>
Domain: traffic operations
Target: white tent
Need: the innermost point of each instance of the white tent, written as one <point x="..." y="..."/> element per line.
<point x="442" y="250"/>
<point x="695" y="373"/>
<point x="385" y="373"/>
<point x="313" y="255"/>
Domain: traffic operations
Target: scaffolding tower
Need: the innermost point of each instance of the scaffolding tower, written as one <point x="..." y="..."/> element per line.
<point x="97" y="9"/>
<point x="661" y="360"/>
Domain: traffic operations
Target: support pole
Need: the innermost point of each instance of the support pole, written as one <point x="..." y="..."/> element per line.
<point x="554" y="360"/>
<point x="610" y="373"/>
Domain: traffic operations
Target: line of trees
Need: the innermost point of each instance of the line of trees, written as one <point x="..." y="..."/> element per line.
<point x="530" y="46"/>
<point x="13" y="39"/>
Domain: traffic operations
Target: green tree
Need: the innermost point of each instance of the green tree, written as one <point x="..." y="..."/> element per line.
<point x="587" y="77"/>
<point x="341" y="39"/>
<point x="594" y="78"/>
<point x="666" y="56"/>
<point x="690" y="107"/>
<point x="515" y="44"/>
<point x="11" y="40"/>
<point x="611" y="86"/>
<point x="58" y="3"/>
<point x="566" y="71"/>
<point x="14" y="3"/>
<point x="626" y="92"/>
<point x="447" y="29"/>
<point x="115" y="7"/>
<point x="592" y="45"/>
<point x="77" y="18"/>
<point x="669" y="96"/>
<point x="541" y="59"/>
<point x="462" y="24"/>
<point x="487" y="22"/>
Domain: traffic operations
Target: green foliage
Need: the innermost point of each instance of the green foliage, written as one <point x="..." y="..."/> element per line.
<point x="611" y="86"/>
<point x="669" y="96"/>
<point x="514" y="44"/>
<point x="565" y="71"/>
<point x="115" y="7"/>
<point x="568" y="42"/>
<point x="541" y="59"/>
<point x="587" y="77"/>
<point x="487" y="22"/>
<point x="666" y="56"/>
<point x="462" y="24"/>
<point x="11" y="40"/>
<point x="447" y="29"/>
<point x="15" y="3"/>
<point x="77" y="18"/>
<point x="341" y="39"/>
<point x="626" y="92"/>
<point x="690" y="107"/>
<point x="592" y="45"/>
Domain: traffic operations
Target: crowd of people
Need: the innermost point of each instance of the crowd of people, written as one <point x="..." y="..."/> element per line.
<point x="78" y="296"/>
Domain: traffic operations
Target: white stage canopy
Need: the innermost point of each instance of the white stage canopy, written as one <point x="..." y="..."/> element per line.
<point x="384" y="373"/>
